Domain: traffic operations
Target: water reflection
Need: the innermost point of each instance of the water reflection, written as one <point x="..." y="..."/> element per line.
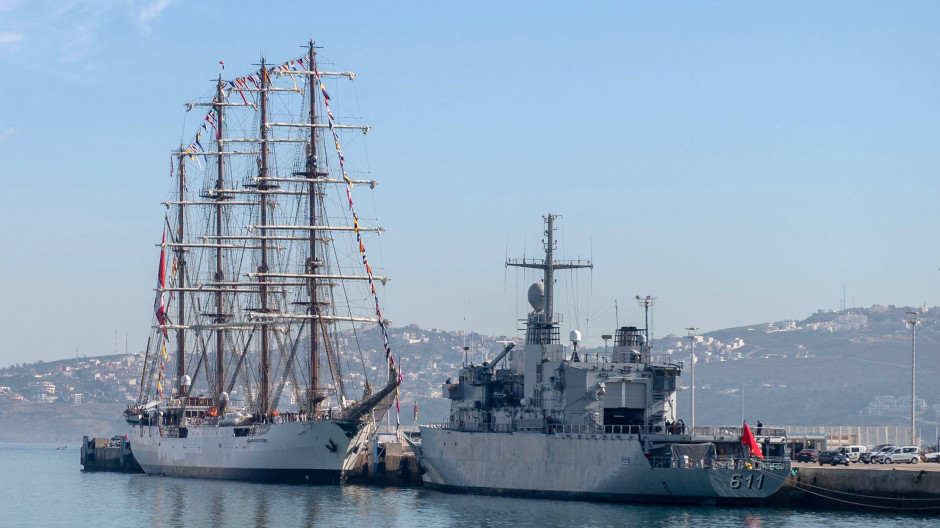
<point x="110" y="499"/>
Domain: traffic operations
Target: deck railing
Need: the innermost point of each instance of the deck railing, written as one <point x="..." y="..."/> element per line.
<point x="721" y="462"/>
<point x="708" y="432"/>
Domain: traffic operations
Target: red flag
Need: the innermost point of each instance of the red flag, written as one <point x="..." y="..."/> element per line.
<point x="159" y="306"/>
<point x="748" y="441"/>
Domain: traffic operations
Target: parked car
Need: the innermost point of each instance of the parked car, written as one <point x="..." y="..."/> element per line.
<point x="807" y="455"/>
<point x="879" y="457"/>
<point x="909" y="454"/>
<point x="854" y="452"/>
<point x="832" y="458"/>
<point x="932" y="457"/>
<point x="866" y="456"/>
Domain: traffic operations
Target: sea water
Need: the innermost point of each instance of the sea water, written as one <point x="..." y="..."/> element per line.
<point x="43" y="486"/>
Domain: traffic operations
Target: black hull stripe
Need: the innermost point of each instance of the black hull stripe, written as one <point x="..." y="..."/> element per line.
<point x="270" y="476"/>
<point x="601" y="497"/>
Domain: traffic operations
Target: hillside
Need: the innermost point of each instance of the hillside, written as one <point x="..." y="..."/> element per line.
<point x="832" y="368"/>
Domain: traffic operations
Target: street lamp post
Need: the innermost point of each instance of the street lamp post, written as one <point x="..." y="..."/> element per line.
<point x="691" y="332"/>
<point x="913" y="322"/>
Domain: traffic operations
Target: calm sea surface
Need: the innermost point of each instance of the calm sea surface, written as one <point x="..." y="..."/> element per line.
<point x="41" y="486"/>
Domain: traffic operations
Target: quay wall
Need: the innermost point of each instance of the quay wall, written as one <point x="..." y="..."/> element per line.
<point x="899" y="488"/>
<point x="98" y="454"/>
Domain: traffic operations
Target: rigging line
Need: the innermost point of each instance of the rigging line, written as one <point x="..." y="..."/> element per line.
<point x="343" y="284"/>
<point x="202" y="357"/>
<point x="140" y="391"/>
<point x="866" y="504"/>
<point x="288" y="366"/>
<point x="365" y="259"/>
<point x="804" y="486"/>
<point x="201" y="351"/>
<point x="349" y="310"/>
<point x="241" y="360"/>
<point x="590" y="294"/>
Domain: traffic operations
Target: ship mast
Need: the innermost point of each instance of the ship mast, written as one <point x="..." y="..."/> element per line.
<point x="549" y="265"/>
<point x="312" y="174"/>
<point x="219" y="275"/>
<point x="263" y="266"/>
<point x="181" y="263"/>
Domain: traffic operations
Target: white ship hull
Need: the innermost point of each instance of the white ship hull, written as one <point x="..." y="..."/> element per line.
<point x="586" y="466"/>
<point x="309" y="452"/>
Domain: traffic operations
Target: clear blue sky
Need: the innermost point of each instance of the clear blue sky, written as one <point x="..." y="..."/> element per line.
<point x="741" y="161"/>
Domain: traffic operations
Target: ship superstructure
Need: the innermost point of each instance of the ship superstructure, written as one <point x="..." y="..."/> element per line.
<point x="542" y="419"/>
<point x="254" y="369"/>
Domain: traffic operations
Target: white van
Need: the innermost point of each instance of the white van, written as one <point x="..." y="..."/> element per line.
<point x="853" y="451"/>
<point x="909" y="454"/>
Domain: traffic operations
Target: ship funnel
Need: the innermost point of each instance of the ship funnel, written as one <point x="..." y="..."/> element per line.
<point x="537" y="296"/>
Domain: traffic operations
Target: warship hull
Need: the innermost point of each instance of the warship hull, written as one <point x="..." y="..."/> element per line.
<point x="308" y="452"/>
<point x="608" y="467"/>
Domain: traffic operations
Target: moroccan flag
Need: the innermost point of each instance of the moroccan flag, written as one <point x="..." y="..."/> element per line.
<point x="159" y="306"/>
<point x="748" y="441"/>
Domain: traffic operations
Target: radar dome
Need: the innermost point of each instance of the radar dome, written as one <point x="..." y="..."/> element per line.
<point x="575" y="336"/>
<point x="223" y="397"/>
<point x="537" y="296"/>
<point x="186" y="381"/>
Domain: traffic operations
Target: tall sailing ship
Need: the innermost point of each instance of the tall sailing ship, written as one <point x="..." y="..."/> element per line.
<point x="545" y="420"/>
<point x="265" y="291"/>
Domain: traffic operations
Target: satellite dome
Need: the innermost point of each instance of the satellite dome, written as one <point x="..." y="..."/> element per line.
<point x="575" y="336"/>
<point x="223" y="396"/>
<point x="186" y="381"/>
<point x="537" y="296"/>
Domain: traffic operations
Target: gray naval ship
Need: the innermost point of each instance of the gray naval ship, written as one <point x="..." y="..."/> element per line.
<point x="540" y="420"/>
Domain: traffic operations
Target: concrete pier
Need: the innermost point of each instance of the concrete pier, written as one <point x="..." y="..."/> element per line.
<point x="104" y="454"/>
<point x="898" y="487"/>
<point x="386" y="461"/>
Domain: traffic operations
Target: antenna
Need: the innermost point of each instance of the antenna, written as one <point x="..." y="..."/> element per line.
<point x="543" y="302"/>
<point x="691" y="332"/>
<point x="647" y="303"/>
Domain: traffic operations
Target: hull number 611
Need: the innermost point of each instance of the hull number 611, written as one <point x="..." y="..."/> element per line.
<point x="749" y="482"/>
